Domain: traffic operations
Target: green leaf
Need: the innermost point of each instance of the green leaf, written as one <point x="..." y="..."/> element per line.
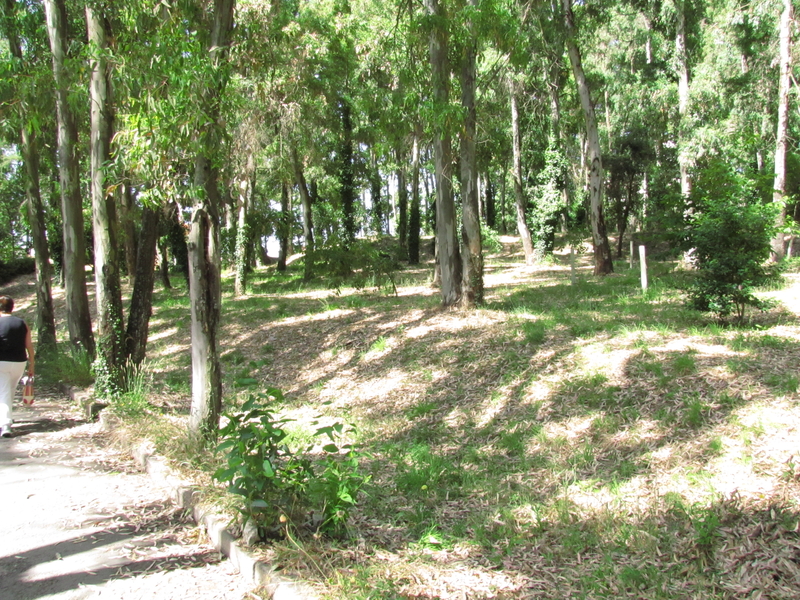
<point x="258" y="504"/>
<point x="330" y="448"/>
<point x="269" y="471"/>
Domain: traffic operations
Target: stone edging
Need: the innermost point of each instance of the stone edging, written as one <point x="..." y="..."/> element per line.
<point x="257" y="572"/>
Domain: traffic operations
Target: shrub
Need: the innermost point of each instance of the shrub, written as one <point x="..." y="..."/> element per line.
<point x="730" y="236"/>
<point x="13" y="268"/>
<point x="283" y="489"/>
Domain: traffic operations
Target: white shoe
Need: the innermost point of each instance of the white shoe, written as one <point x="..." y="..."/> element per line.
<point x="5" y="432"/>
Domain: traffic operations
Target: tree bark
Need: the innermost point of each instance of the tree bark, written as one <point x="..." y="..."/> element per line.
<point x="684" y="160"/>
<point x="284" y="227"/>
<point x="446" y="238"/>
<point x="414" y="217"/>
<point x="308" y="222"/>
<point x="79" y="322"/>
<point x="603" y="263"/>
<point x="128" y="231"/>
<point x="142" y="295"/>
<point x="204" y="251"/>
<point x="110" y="341"/>
<point x="347" y="177"/>
<point x="472" y="284"/>
<point x="45" y="316"/>
<point x="519" y="195"/>
<point x="204" y="292"/>
<point x="402" y="200"/>
<point x="246" y="187"/>
<point x="782" y="134"/>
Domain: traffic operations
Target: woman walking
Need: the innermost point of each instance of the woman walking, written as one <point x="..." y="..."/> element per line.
<point x="15" y="348"/>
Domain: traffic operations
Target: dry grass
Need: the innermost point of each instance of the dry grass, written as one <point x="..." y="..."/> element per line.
<point x="561" y="442"/>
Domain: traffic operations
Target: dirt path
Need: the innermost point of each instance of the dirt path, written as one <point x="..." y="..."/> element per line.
<point x="79" y="522"/>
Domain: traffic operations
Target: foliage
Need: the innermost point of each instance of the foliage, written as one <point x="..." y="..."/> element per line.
<point x="360" y="264"/>
<point x="70" y="367"/>
<point x="490" y="240"/>
<point x="284" y="489"/>
<point x="134" y="400"/>
<point x="548" y="201"/>
<point x="15" y="267"/>
<point x="730" y="235"/>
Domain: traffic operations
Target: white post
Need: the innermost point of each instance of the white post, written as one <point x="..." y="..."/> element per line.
<point x="643" y="263"/>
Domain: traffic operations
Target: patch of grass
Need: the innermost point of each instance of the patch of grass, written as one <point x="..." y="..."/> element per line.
<point x="715" y="446"/>
<point x="533" y="332"/>
<point x="783" y="383"/>
<point x="684" y="364"/>
<point x="695" y="411"/>
<point x="420" y="410"/>
<point x="68" y="366"/>
<point x="423" y="473"/>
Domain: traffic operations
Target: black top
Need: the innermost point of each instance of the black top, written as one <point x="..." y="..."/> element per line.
<point x="13" y="332"/>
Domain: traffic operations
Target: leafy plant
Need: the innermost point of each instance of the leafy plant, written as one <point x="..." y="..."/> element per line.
<point x="730" y="236"/>
<point x="282" y="488"/>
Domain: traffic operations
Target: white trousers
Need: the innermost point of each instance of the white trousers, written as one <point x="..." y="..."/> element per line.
<point x="10" y="374"/>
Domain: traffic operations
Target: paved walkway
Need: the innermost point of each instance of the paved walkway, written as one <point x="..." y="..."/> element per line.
<point x="77" y="521"/>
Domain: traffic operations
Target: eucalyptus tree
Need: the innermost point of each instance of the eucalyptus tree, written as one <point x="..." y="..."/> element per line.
<point x="78" y="316"/>
<point x="472" y="250"/>
<point x="781" y="136"/>
<point x="204" y="257"/>
<point x="446" y="240"/>
<point x="21" y="28"/>
<point x="603" y="262"/>
<point x="111" y="344"/>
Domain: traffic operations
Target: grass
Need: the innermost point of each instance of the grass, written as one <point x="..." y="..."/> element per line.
<point x="584" y="441"/>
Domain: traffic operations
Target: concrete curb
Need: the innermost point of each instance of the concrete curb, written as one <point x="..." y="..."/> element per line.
<point x="257" y="572"/>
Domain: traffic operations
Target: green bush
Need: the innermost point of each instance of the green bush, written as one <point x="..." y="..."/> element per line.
<point x="283" y="489"/>
<point x="13" y="268"/>
<point x="730" y="236"/>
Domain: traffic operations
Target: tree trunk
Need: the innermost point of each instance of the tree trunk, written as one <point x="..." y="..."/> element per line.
<point x="347" y="177"/>
<point x="204" y="293"/>
<point x="128" y="230"/>
<point x="162" y="248"/>
<point x="402" y="201"/>
<point x="110" y="342"/>
<point x="603" y="263"/>
<point x="489" y="201"/>
<point x="308" y="223"/>
<point x="79" y="322"/>
<point x="472" y="285"/>
<point x="246" y="186"/>
<point x="142" y="295"/>
<point x="375" y="185"/>
<point x="204" y="251"/>
<point x="446" y="237"/>
<point x="414" y="217"/>
<point x="284" y="228"/>
<point x="684" y="160"/>
<point x="519" y="195"/>
<point x="45" y="316"/>
<point x="779" y="186"/>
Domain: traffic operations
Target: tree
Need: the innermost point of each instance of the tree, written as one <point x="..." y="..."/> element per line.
<point x="204" y="257"/>
<point x="603" y="263"/>
<point x="446" y="240"/>
<point x="781" y="137"/>
<point x="472" y="286"/>
<point x="78" y="317"/>
<point x="110" y="345"/>
<point x="29" y="145"/>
